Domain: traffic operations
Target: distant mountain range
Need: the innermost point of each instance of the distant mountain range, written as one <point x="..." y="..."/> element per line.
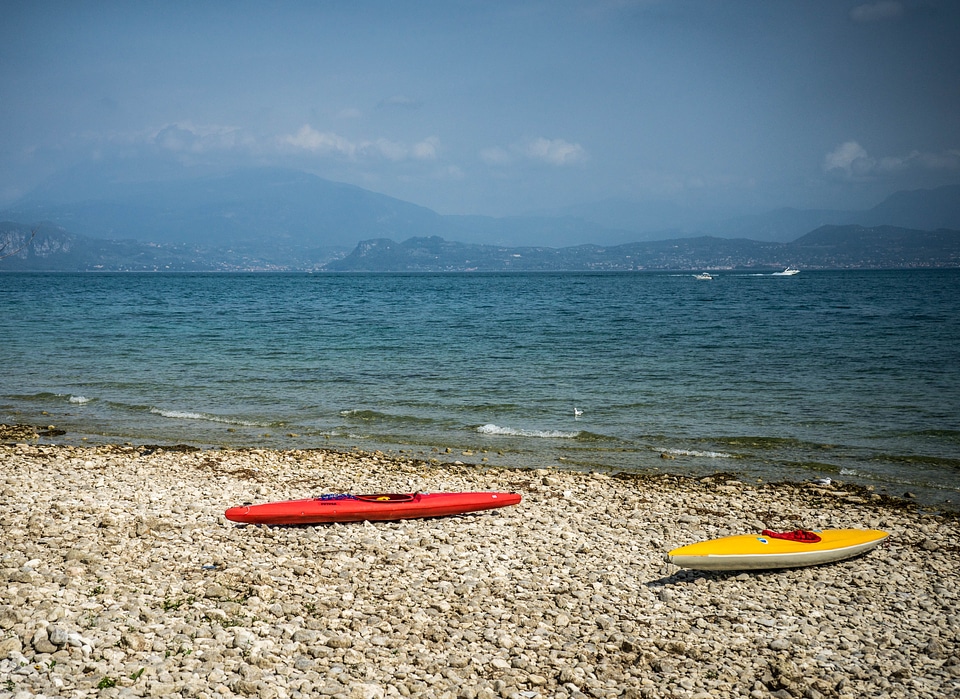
<point x="271" y="219"/>
<point x="828" y="247"/>
<point x="924" y="209"/>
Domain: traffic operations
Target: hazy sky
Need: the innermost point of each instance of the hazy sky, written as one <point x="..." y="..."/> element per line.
<point x="495" y="107"/>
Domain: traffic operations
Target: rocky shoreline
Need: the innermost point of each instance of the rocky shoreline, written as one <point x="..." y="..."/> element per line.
<point x="120" y="577"/>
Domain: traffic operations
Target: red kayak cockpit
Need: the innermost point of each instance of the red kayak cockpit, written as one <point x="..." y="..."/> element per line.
<point x="387" y="497"/>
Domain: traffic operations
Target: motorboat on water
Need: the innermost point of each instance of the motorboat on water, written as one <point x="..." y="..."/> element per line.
<point x="787" y="272"/>
<point x="703" y="275"/>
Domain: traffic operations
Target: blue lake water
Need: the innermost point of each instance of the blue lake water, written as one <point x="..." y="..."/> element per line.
<point x="849" y="374"/>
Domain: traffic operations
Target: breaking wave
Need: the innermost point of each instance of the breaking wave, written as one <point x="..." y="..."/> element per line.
<point x="514" y="432"/>
<point x="695" y="452"/>
<point x="186" y="415"/>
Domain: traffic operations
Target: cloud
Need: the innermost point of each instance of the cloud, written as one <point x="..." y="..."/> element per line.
<point x="384" y="148"/>
<point x="331" y="144"/>
<point x="917" y="160"/>
<point x="187" y="138"/>
<point x="324" y="143"/>
<point x="553" y="152"/>
<point x="877" y="11"/>
<point x="846" y="157"/>
<point x="947" y="160"/>
<point x="175" y="138"/>
<point x="427" y="149"/>
<point x="851" y="160"/>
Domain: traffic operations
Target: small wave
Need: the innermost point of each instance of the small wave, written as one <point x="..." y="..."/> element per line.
<point x="695" y="452"/>
<point x="361" y="414"/>
<point x="514" y="432"/>
<point x="185" y="415"/>
<point x="180" y="415"/>
<point x="758" y="442"/>
<point x="48" y="397"/>
<point x="379" y="417"/>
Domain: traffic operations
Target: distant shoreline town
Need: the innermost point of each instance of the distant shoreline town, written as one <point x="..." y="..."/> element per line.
<point x="53" y="249"/>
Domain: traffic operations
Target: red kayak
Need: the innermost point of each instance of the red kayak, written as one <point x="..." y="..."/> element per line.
<point x="357" y="508"/>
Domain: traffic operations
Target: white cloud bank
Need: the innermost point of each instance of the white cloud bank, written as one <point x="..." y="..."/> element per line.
<point x="851" y="160"/>
<point x="184" y="137"/>
<point x="556" y="152"/>
<point x="329" y="143"/>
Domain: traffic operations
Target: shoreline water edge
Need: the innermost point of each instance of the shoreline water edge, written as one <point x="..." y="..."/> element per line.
<point x="120" y="577"/>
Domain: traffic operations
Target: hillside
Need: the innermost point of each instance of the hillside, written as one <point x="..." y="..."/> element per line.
<point x="278" y="215"/>
<point x="117" y="218"/>
<point x="54" y="249"/>
<point x="258" y="210"/>
<point x="877" y="247"/>
<point x="830" y="247"/>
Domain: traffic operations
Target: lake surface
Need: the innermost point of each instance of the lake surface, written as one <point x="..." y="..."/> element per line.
<point x="854" y="375"/>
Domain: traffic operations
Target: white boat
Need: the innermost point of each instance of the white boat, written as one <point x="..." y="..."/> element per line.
<point x="703" y="275"/>
<point x="787" y="272"/>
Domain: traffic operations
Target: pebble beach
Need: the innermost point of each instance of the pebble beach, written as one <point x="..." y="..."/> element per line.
<point x="120" y="577"/>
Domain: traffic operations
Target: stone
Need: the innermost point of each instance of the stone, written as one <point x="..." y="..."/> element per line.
<point x="366" y="691"/>
<point x="566" y="595"/>
<point x="58" y="635"/>
<point x="340" y="642"/>
<point x="41" y="642"/>
<point x="10" y="646"/>
<point x="216" y="591"/>
<point x="8" y="617"/>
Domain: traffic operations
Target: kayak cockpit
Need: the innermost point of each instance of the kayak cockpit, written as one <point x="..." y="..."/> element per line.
<point x="387" y="497"/>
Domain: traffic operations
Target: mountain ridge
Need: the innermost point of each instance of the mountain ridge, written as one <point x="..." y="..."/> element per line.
<point x="829" y="247"/>
<point x="254" y="206"/>
<point x="118" y="217"/>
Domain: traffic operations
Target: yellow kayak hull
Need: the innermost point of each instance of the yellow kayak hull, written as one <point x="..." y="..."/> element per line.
<point x="759" y="552"/>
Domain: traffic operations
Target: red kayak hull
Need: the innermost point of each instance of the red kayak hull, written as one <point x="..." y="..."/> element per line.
<point x="377" y="507"/>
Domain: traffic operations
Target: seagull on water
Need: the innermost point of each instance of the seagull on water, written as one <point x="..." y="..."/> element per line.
<point x="577" y="412"/>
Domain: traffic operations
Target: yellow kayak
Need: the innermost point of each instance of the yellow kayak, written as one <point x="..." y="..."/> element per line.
<point x="767" y="550"/>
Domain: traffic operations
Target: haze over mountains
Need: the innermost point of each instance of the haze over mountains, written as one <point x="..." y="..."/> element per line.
<point x="268" y="218"/>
